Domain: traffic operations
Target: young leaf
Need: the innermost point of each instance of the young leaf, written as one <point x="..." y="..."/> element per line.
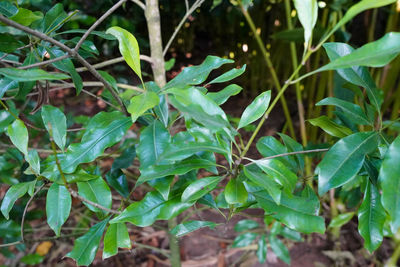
<point x="307" y="11"/>
<point x="97" y="191"/>
<point x="199" y="188"/>
<point x="262" y="249"/>
<point x="26" y="17"/>
<point x="58" y="206"/>
<point x="128" y="47"/>
<point x="390" y="183"/>
<point x="56" y="124"/>
<point x="331" y="127"/>
<point x="19" y="136"/>
<point x="191" y="226"/>
<point x="31" y="75"/>
<point x="85" y="247"/>
<point x="235" y="192"/>
<point x="371" y="218"/>
<point x="343" y="161"/>
<point x="255" y="110"/>
<point x="15" y="192"/>
<point x="222" y="96"/>
<point x="116" y="236"/>
<point x="230" y="75"/>
<point x="279" y="248"/>
<point x="341" y="220"/>
<point x="141" y="103"/>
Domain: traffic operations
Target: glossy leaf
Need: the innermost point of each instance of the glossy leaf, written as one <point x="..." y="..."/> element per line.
<point x="181" y="151"/>
<point x="279" y="173"/>
<point x="141" y="103"/>
<point x="279" y="248"/>
<point x="353" y="111"/>
<point x="262" y="249"/>
<point x="304" y="210"/>
<point x="244" y="240"/>
<point x="116" y="236"/>
<point x="26" y="17"/>
<point x="390" y="183"/>
<point x="34" y="160"/>
<point x="307" y="11"/>
<point x="97" y="191"/>
<point x="331" y="127"/>
<point x="128" y="47"/>
<point x="269" y="146"/>
<point x="235" y="192"/>
<point x="222" y="96"/>
<point x="255" y="110"/>
<point x="13" y="194"/>
<point x="341" y="220"/>
<point x="31" y="75"/>
<point x="58" y="206"/>
<point x="191" y="226"/>
<point x="266" y="182"/>
<point x="173" y="208"/>
<point x="19" y="136"/>
<point x="344" y="160"/>
<point x="229" y="75"/>
<point x="54" y="18"/>
<point x="56" y="124"/>
<point x="85" y="247"/>
<point x="6" y="84"/>
<point x="104" y="130"/>
<point x="142" y="213"/>
<point x="162" y="185"/>
<point x="196" y="74"/>
<point x="199" y="188"/>
<point x="8" y="43"/>
<point x="371" y="218"/>
<point x="293" y="146"/>
<point x="8" y="9"/>
<point x="244" y="225"/>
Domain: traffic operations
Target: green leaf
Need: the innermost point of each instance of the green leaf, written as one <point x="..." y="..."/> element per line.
<point x="116" y="236"/>
<point x="279" y="248"/>
<point x="353" y="111"/>
<point x="262" y="249"/>
<point x="19" y="136"/>
<point x="341" y="220"/>
<point x="85" y="247"/>
<point x="356" y="74"/>
<point x="191" y="226"/>
<point x="32" y="259"/>
<point x="128" y="47"/>
<point x="371" y="218"/>
<point x="58" y="206"/>
<point x="181" y="151"/>
<point x="173" y="208"/>
<point x="305" y="210"/>
<point x="255" y="110"/>
<point x="8" y="43"/>
<point x="97" y="191"/>
<point x="154" y="139"/>
<point x="235" y="192"/>
<point x="8" y="9"/>
<point x="331" y="127"/>
<point x="196" y="74"/>
<point x="293" y="146"/>
<point x="230" y="75"/>
<point x="54" y="18"/>
<point x="141" y="103"/>
<point x="15" y="192"/>
<point x="158" y="171"/>
<point x="162" y="185"/>
<point x="279" y="173"/>
<point x="307" y="11"/>
<point x="269" y="146"/>
<point x="5" y="84"/>
<point x="34" y="160"/>
<point x="245" y="225"/>
<point x="199" y="188"/>
<point x="265" y="182"/>
<point x="26" y="17"/>
<point x="244" y="240"/>
<point x="104" y="130"/>
<point x="390" y="183"/>
<point x="344" y="159"/>
<point x="142" y="213"/>
<point x="222" y="96"/>
<point x="110" y="79"/>
<point x="56" y="124"/>
<point x="31" y="75"/>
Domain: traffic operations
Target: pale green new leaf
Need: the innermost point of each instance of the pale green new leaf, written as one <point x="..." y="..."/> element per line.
<point x="116" y="236"/>
<point x="58" y="206"/>
<point x="141" y="103"/>
<point x="235" y="192"/>
<point x="128" y="47"/>
<point x="56" y="124"/>
<point x="307" y="11"/>
<point x="256" y="109"/>
<point x="331" y="127"/>
<point x="26" y="17"/>
<point x="341" y="220"/>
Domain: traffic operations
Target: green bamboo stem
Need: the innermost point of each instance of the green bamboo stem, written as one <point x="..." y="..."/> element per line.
<point x="271" y="68"/>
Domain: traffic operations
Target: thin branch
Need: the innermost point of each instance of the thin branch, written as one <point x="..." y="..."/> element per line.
<point x="197" y="4"/>
<point x="11" y="244"/>
<point x="11" y="62"/>
<point x="140" y="4"/>
<point x="47" y="62"/>
<point x="94" y="204"/>
<point x="287" y="154"/>
<point x="97" y="23"/>
<point x="113" y="61"/>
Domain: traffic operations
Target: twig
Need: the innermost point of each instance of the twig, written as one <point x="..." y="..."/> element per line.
<point x="47" y="62"/>
<point x="197" y="4"/>
<point x="113" y="61"/>
<point x="161" y="251"/>
<point x="140" y="4"/>
<point x="97" y="23"/>
<point x="26" y="210"/>
<point x="94" y="204"/>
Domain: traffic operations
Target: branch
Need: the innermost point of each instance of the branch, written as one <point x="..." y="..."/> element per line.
<point x="97" y="23"/>
<point x="94" y="204"/>
<point x="113" y="61"/>
<point x="140" y="4"/>
<point x="197" y="4"/>
<point x="39" y="64"/>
